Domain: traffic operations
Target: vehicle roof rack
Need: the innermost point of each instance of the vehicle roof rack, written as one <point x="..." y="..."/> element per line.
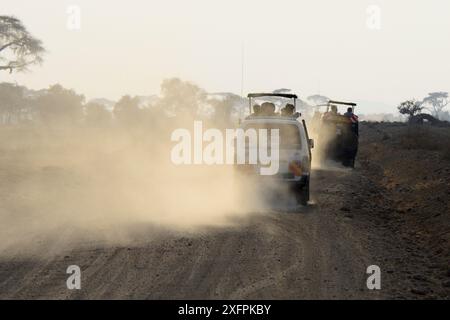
<point x="330" y="102"/>
<point x="344" y="103"/>
<point x="295" y="116"/>
<point x="282" y="95"/>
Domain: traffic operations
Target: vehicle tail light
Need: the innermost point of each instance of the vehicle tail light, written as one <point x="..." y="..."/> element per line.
<point x="296" y="168"/>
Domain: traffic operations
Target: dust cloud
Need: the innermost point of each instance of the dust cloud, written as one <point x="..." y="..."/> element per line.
<point x="90" y="183"/>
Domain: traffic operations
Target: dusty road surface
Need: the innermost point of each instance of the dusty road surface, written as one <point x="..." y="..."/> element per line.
<point x="321" y="251"/>
<point x="303" y="253"/>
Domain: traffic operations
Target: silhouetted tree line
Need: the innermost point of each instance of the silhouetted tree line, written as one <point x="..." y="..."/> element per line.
<point x="179" y="100"/>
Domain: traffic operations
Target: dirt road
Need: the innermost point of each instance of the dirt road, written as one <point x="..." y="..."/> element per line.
<point x="314" y="253"/>
<point x="317" y="252"/>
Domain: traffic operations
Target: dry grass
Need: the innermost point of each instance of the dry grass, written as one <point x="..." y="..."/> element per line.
<point x="426" y="138"/>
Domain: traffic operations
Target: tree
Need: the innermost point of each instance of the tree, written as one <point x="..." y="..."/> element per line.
<point x="12" y="103"/>
<point x="304" y="107"/>
<point x="317" y="99"/>
<point x="96" y="114"/>
<point x="60" y="105"/>
<point x="282" y="90"/>
<point x="127" y="110"/>
<point x="410" y="107"/>
<point x="224" y="106"/>
<point x="181" y="97"/>
<point x="18" y="48"/>
<point x="437" y="101"/>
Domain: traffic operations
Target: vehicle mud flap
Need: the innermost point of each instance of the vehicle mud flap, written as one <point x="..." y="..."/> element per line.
<point x="302" y="193"/>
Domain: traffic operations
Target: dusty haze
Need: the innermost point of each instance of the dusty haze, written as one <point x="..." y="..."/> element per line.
<point x="104" y="184"/>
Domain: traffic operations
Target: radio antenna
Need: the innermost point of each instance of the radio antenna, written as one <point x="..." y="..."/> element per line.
<point x="242" y="80"/>
<point x="242" y="70"/>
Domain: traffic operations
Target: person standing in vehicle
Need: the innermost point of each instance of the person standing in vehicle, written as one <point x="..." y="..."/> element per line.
<point x="354" y="120"/>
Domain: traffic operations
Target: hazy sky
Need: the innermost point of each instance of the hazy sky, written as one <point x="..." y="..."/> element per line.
<point x="308" y="46"/>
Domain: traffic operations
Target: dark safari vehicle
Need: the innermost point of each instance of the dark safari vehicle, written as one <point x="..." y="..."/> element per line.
<point x="338" y="134"/>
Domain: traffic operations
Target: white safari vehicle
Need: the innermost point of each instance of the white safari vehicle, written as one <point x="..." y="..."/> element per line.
<point x="294" y="143"/>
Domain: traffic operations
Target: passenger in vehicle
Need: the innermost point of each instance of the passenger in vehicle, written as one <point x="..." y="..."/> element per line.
<point x="256" y="110"/>
<point x="268" y="109"/>
<point x="354" y="120"/>
<point x="333" y="109"/>
<point x="332" y="114"/>
<point x="288" y="110"/>
<point x="349" y="113"/>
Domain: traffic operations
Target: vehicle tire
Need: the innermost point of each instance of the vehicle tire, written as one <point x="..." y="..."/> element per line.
<point x="302" y="195"/>
<point x="348" y="162"/>
<point x="352" y="163"/>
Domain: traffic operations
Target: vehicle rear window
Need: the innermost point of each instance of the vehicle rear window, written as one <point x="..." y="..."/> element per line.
<point x="289" y="133"/>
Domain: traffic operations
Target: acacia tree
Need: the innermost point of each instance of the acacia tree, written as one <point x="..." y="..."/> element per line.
<point x="437" y="101"/>
<point x="410" y="107"/>
<point x="18" y="48"/>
